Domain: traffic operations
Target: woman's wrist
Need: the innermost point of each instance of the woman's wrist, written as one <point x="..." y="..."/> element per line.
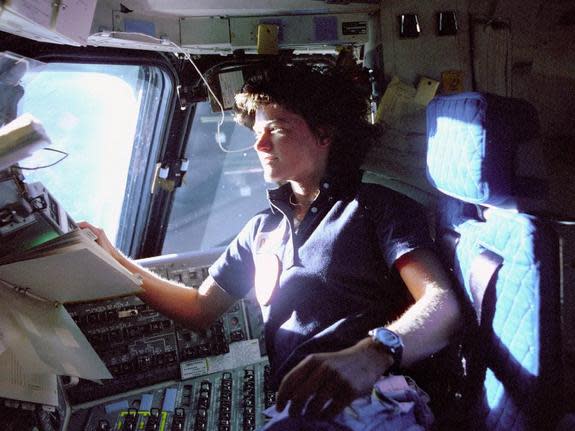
<point x="119" y="256"/>
<point x="383" y="359"/>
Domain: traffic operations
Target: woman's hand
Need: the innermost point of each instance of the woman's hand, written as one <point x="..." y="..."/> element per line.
<point x="102" y="239"/>
<point x="323" y="384"/>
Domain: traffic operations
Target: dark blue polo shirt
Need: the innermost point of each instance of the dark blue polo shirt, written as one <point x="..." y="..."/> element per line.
<point x="335" y="280"/>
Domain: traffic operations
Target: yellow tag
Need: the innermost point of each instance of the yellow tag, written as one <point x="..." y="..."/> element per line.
<point x="267" y="42"/>
<point x="451" y="81"/>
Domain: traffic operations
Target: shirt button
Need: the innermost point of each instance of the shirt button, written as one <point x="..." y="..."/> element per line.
<point x="313" y="209"/>
<point x="325" y="185"/>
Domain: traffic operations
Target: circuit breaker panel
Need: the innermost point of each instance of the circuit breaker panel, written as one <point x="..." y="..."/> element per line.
<point x="224" y="401"/>
<point x="166" y="376"/>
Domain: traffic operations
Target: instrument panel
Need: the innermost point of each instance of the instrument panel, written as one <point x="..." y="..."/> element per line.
<point x="231" y="400"/>
<point x="166" y="377"/>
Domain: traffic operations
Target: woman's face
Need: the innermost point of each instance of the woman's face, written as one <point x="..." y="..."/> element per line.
<point x="287" y="148"/>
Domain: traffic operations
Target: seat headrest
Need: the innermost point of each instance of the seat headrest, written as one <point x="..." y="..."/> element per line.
<point x="473" y="139"/>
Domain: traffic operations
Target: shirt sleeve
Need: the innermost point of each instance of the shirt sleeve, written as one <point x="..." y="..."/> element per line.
<point x="234" y="269"/>
<point x="401" y="223"/>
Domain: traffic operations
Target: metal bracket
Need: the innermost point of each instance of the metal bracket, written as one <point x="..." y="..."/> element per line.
<point x="169" y="175"/>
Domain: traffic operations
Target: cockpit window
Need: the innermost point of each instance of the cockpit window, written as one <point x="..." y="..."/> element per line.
<point x="105" y="117"/>
<point x="222" y="189"/>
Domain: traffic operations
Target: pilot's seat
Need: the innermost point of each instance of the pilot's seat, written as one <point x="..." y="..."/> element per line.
<point x="504" y="259"/>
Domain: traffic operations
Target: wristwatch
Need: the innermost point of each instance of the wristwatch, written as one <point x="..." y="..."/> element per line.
<point x="389" y="342"/>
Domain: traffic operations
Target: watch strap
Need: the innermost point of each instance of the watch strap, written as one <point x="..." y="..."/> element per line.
<point x="391" y="343"/>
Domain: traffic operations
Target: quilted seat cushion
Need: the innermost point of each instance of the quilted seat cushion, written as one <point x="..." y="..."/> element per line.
<point x="522" y="353"/>
<point x="472" y="143"/>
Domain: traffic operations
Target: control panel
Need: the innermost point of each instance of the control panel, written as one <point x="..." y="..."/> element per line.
<point x="137" y="344"/>
<point x="231" y="400"/>
<point x="142" y="347"/>
<point x="166" y="376"/>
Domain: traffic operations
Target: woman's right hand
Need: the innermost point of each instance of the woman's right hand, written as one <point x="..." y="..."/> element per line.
<point x="101" y="239"/>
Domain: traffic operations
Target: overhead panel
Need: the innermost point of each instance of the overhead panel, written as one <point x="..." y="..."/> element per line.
<point x="302" y="31"/>
<point x="134" y="30"/>
<point x="205" y="32"/>
<point x="47" y="20"/>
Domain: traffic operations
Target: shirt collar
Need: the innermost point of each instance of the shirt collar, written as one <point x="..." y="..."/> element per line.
<point x="334" y="186"/>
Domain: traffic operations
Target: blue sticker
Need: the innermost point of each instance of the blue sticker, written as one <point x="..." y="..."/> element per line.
<point x="146" y="403"/>
<point x="139" y="26"/>
<point x="169" y="400"/>
<point x="116" y="407"/>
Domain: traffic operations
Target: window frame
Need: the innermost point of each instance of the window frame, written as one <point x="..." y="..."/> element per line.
<point x="143" y="226"/>
<point x="140" y="222"/>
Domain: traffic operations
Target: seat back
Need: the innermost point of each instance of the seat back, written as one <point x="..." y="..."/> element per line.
<point x="505" y="262"/>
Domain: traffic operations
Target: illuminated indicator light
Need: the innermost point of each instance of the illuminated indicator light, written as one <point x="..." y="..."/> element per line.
<point x="45" y="237"/>
<point x="164" y="420"/>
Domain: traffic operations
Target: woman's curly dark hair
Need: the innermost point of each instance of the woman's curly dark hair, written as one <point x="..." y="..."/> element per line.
<point x="326" y="99"/>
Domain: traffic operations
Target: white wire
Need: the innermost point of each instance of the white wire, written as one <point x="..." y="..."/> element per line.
<point x="145" y="38"/>
<point x="222" y="118"/>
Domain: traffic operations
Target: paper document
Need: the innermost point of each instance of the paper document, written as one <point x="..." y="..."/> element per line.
<point x="45" y="339"/>
<point x="230" y="84"/>
<point x="71" y="268"/>
<point x="17" y="384"/>
<point x="397" y="101"/>
<point x="426" y="90"/>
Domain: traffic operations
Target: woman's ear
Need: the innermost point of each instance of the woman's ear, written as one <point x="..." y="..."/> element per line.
<point x="324" y="136"/>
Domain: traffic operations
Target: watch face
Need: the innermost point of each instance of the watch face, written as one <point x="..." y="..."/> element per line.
<point x="390" y="342"/>
<point x="387" y="337"/>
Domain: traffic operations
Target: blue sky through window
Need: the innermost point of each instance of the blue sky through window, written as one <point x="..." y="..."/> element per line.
<point x="91" y="113"/>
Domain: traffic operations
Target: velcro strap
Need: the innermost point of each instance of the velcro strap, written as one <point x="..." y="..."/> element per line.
<point x="448" y="240"/>
<point x="484" y="269"/>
